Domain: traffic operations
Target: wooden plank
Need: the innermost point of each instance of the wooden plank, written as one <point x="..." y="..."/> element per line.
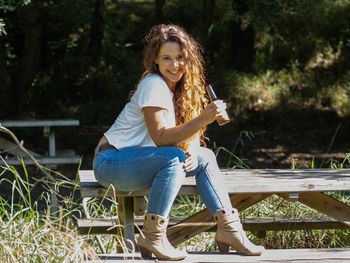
<point x="125" y="212"/>
<point x="243" y="201"/>
<point x="327" y="205"/>
<point x="324" y="255"/>
<point x="139" y="205"/>
<point x="287" y="180"/>
<point x="89" y="187"/>
<point x="38" y="123"/>
<point x="45" y="160"/>
<point x="249" y="181"/>
<point x="109" y="226"/>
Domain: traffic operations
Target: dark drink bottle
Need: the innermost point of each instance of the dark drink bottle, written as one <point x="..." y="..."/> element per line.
<point x="224" y="119"/>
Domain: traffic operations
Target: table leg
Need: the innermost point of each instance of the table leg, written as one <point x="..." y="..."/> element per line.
<point x="325" y="204"/>
<point x="126" y="216"/>
<point x="52" y="143"/>
<point x="48" y="132"/>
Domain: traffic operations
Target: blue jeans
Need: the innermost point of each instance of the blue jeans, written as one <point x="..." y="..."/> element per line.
<point x="162" y="168"/>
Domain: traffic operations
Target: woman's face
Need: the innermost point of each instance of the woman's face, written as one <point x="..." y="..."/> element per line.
<point x="171" y="63"/>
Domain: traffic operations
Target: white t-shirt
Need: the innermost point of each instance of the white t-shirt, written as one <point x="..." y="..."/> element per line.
<point x="129" y="129"/>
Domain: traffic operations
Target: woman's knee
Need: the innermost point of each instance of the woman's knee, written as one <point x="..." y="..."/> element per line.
<point x="174" y="155"/>
<point x="206" y="156"/>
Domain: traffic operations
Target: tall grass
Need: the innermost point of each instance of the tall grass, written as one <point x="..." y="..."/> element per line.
<point x="31" y="234"/>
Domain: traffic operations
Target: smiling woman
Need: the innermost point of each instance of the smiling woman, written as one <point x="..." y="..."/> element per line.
<point x="170" y="63"/>
<point x="156" y="142"/>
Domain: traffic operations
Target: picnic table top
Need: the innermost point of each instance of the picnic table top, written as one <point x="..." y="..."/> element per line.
<point x="39" y="123"/>
<point x="243" y="181"/>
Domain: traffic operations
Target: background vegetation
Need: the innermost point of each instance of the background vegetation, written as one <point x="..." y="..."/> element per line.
<point x="80" y="59"/>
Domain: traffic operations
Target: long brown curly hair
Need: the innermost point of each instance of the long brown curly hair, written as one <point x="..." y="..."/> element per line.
<point x="189" y="93"/>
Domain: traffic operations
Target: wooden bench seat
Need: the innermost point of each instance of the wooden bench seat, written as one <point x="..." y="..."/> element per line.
<point x="246" y="188"/>
<point x="254" y="224"/>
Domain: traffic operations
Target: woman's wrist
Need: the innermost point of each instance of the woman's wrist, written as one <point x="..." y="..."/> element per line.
<point x="202" y="120"/>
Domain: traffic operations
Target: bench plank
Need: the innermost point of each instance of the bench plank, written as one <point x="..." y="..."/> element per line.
<point x="255" y="181"/>
<point x="44" y="160"/>
<point x="109" y="226"/>
<point x="38" y="123"/>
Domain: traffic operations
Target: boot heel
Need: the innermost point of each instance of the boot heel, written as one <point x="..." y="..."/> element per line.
<point x="145" y="253"/>
<point x="223" y="247"/>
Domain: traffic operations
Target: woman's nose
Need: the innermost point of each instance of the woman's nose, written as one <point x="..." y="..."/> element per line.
<point x="175" y="63"/>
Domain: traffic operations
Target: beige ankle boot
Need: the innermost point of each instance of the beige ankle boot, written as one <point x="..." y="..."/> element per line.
<point x="230" y="233"/>
<point x="153" y="240"/>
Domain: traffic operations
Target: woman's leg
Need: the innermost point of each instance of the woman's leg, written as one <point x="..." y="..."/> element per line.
<point x="138" y="167"/>
<point x="135" y="168"/>
<point x="212" y="190"/>
<point x="209" y="181"/>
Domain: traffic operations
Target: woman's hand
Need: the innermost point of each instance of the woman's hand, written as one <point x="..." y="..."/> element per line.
<point x="212" y="111"/>
<point x="162" y="135"/>
<point x="191" y="162"/>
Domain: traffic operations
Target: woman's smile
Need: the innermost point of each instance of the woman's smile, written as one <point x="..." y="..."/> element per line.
<point x="171" y="63"/>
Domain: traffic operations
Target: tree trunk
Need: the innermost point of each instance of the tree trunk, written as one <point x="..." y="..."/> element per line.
<point x="5" y="82"/>
<point x="242" y="39"/>
<point x="97" y="32"/>
<point x="29" y="58"/>
<point x="159" y="10"/>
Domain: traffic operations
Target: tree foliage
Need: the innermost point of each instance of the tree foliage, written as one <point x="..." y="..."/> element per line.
<point x="81" y="58"/>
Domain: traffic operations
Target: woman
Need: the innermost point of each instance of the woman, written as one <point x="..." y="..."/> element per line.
<point x="155" y="141"/>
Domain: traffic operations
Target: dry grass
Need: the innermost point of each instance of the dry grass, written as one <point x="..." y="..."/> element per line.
<point x="28" y="234"/>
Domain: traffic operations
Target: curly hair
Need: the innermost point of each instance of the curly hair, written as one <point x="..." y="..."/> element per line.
<point x="189" y="93"/>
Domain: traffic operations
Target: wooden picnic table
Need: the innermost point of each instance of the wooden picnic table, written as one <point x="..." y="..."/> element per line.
<point x="48" y="131"/>
<point x="246" y="187"/>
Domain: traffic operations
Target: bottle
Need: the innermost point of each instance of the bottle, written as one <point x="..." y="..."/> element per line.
<point x="221" y="120"/>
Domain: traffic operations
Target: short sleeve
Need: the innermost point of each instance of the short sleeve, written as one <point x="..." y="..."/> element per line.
<point x="153" y="92"/>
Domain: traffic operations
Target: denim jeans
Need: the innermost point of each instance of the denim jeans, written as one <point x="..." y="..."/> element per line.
<point x="161" y="168"/>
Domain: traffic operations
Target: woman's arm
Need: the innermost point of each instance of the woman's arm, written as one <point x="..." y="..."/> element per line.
<point x="163" y="136"/>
